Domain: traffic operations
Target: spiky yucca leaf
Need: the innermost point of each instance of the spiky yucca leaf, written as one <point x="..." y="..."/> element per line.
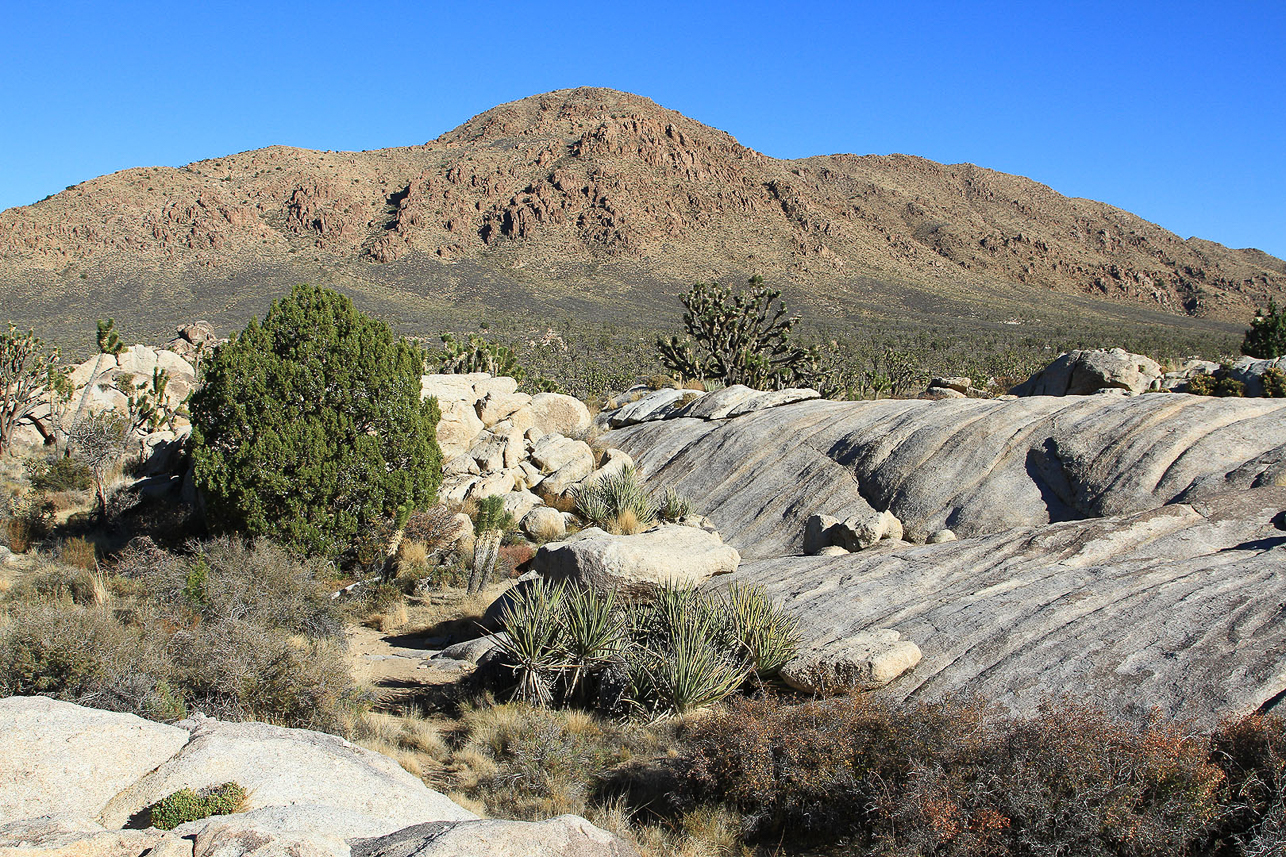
<point x="533" y="620"/>
<point x="769" y="636"/>
<point x="594" y="633"/>
<point x="692" y="672"/>
<point x="591" y="505"/>
<point x="674" y="506"/>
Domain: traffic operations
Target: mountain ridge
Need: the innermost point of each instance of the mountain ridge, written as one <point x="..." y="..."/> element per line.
<point x="589" y="197"/>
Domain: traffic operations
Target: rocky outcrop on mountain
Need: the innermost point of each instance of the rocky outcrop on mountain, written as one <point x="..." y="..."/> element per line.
<point x="76" y="781"/>
<point x="1174" y="608"/>
<point x="591" y="193"/>
<point x="972" y="466"/>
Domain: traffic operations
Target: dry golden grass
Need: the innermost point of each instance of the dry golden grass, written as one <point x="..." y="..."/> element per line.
<point x="414" y="554"/>
<point x="694" y="384"/>
<point x="78" y="553"/>
<point x="390" y="619"/>
<point x="626" y="523"/>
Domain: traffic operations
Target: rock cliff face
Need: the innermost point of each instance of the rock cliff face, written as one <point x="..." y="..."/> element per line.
<point x="596" y="190"/>
<point x="1124" y="549"/>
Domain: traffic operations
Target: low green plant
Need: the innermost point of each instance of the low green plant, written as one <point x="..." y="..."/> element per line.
<point x="490" y="524"/>
<point x="605" y="502"/>
<point x="1274" y="381"/>
<point x="532" y="622"/>
<point x="60" y="473"/>
<point x="186" y="805"/>
<point x="1266" y="338"/>
<point x="673" y="506"/>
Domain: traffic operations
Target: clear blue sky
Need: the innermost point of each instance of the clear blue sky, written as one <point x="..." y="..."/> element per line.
<point x="1173" y="110"/>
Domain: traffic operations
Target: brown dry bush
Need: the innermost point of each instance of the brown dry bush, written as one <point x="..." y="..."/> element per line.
<point x="958" y="779"/>
<point x="1252" y="754"/>
<point x="78" y="553"/>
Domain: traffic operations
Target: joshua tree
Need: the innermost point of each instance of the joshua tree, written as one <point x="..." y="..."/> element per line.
<point x="739" y="338"/>
<point x="26" y="372"/>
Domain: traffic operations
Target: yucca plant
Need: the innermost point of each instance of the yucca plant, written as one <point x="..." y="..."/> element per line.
<point x="613" y="497"/>
<point x="591" y="505"/>
<point x="685" y="669"/>
<point x="768" y="636"/>
<point x="674" y="506"/>
<point x="594" y="634"/>
<point x="489" y="526"/>
<point x="533" y="623"/>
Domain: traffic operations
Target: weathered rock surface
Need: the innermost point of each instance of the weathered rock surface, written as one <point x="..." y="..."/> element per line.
<point x="60" y="758"/>
<point x="668" y="554"/>
<point x="864" y="661"/>
<point x="973" y="466"/>
<point x="544" y="524"/>
<point x="1078" y="373"/>
<point x="281" y="767"/>
<point x="1176" y="607"/>
<point x="564" y="836"/>
<point x="560" y="413"/>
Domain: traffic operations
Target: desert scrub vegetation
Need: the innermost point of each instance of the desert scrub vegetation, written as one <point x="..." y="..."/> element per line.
<point x="619" y="503"/>
<point x="309" y="427"/>
<point x="186" y="805"/>
<point x="236" y="630"/>
<point x="665" y="653"/>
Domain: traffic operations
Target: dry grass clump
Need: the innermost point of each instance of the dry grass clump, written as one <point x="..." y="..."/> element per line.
<point x="412" y="741"/>
<point x="78" y="553"/>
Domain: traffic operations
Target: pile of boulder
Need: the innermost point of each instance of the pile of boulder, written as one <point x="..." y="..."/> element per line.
<point x="1080" y="373"/>
<point x="530" y="450"/>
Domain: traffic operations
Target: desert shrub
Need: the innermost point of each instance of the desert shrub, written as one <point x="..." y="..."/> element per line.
<point x="60" y="473"/>
<point x="435" y="528"/>
<point x="1201" y="385"/>
<point x="309" y="426"/>
<point x="1266" y="338"/>
<point x="186" y="805"/>
<point x="532" y="763"/>
<point x="617" y="501"/>
<point x="78" y="553"/>
<point x="26" y="524"/>
<point x="57" y="582"/>
<point x="957" y="778"/>
<point x="511" y="557"/>
<point x="1252" y="754"/>
<point x="228" y="578"/>
<point x="1274" y="381"/>
<point x="79" y="654"/>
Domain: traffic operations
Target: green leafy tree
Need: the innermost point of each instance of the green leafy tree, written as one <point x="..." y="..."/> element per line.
<point x="1266" y="338"/>
<point x="739" y="338"/>
<point x="309" y="426"/>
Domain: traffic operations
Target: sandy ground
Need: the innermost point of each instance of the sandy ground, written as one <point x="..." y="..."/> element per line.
<point x="398" y="666"/>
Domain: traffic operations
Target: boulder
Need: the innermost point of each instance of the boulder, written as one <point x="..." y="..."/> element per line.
<point x="544" y="524"/>
<point x="666" y="555"/>
<point x="284" y="767"/>
<point x="1249" y="371"/>
<point x="449" y="389"/>
<point x="773" y="399"/>
<point x="485" y="385"/>
<point x="563" y="836"/>
<point x="470" y="651"/>
<point x="718" y="404"/>
<point x="531" y="475"/>
<point x="818" y="533"/>
<point x="941" y="536"/>
<point x="491" y="485"/>
<point x="560" y="414"/>
<point x="458" y="428"/>
<point x="68" y="835"/>
<point x="496" y="406"/>
<point x="614" y="461"/>
<point x="461" y="465"/>
<point x="489" y="452"/>
<point x="863" y="661"/>
<point x="519" y="503"/>
<point x="562" y="479"/>
<point x="937" y="394"/>
<point x="860" y="531"/>
<point x="655" y="405"/>
<point x="1079" y="373"/>
<point x="455" y="488"/>
<point x="959" y="383"/>
<point x="56" y="757"/>
<point x="553" y="451"/>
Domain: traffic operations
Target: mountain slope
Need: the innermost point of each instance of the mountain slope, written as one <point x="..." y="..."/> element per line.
<point x="591" y="200"/>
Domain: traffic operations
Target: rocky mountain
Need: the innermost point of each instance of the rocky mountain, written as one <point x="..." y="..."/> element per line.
<point x="591" y="200"/>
